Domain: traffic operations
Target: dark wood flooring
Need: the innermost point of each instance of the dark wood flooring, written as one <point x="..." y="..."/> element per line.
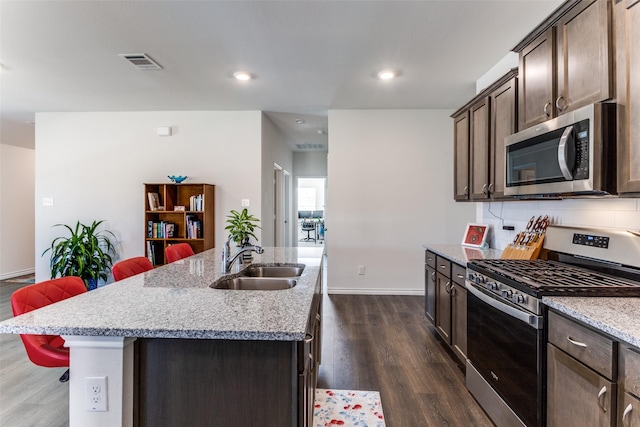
<point x="384" y="343"/>
<point x="380" y="343"/>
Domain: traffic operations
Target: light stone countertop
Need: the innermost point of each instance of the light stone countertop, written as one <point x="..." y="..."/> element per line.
<point x="461" y="254"/>
<point x="618" y="317"/>
<point x="175" y="301"/>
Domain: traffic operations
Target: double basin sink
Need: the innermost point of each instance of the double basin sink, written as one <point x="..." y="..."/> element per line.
<point x="262" y="277"/>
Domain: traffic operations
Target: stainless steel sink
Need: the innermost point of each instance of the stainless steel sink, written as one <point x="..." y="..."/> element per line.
<point x="273" y="270"/>
<point x="255" y="283"/>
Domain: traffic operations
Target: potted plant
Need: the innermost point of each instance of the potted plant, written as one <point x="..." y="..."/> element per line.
<point x="86" y="253"/>
<point x="241" y="227"/>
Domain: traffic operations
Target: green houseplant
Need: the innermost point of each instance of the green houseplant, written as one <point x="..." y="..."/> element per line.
<point x="241" y="226"/>
<point x="86" y="253"/>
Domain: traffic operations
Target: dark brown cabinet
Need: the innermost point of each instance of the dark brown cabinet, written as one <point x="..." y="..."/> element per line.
<point x="569" y="64"/>
<point x="459" y="313"/>
<point x="629" y="394"/>
<point x="581" y="369"/>
<point x="443" y="307"/>
<point x="430" y="286"/>
<point x="627" y="24"/>
<point x="487" y="119"/>
<point x="461" y="155"/>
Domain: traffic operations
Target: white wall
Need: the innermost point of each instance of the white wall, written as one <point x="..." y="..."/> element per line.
<point x="94" y="165"/>
<point x="274" y="150"/>
<point x="310" y="163"/>
<point x="390" y="191"/>
<point x="17" y="220"/>
<point x="602" y="212"/>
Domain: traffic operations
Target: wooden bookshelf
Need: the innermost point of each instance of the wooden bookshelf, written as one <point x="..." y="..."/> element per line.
<point x="165" y="226"/>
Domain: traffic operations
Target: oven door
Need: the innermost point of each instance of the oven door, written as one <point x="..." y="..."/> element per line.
<point x="505" y="346"/>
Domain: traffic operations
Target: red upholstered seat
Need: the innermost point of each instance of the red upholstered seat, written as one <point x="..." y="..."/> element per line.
<point x="46" y="350"/>
<point x="175" y="252"/>
<point x="131" y="267"/>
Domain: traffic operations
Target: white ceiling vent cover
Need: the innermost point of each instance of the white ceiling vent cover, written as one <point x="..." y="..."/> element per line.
<point x="141" y="61"/>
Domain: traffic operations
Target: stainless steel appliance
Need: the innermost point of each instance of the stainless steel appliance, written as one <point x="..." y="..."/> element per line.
<point x="572" y="154"/>
<point x="506" y="318"/>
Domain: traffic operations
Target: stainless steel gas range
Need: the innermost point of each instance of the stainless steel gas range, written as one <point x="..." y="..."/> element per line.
<point x="506" y="320"/>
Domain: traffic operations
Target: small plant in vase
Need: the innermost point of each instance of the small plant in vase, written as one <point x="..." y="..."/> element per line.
<point x="241" y="227"/>
<point x="86" y="253"/>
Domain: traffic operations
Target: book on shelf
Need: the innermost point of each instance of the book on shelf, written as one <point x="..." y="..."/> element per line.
<point x="196" y="203"/>
<point x="150" y="253"/>
<point x="161" y="230"/>
<point x="194" y="227"/>
<point x="154" y="201"/>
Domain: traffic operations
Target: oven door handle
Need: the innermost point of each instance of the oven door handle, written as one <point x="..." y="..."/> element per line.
<point x="530" y="319"/>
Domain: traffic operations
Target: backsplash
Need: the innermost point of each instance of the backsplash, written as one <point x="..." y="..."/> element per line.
<point x="597" y="212"/>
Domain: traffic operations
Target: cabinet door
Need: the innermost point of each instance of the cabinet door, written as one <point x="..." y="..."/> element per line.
<point x="584" y="56"/>
<point x="461" y="157"/>
<point x="628" y="93"/>
<point x="443" y="307"/>
<point x="479" y="149"/>
<point x="576" y="395"/>
<point x="536" y="81"/>
<point x="459" y="321"/>
<point x="503" y="123"/>
<point x="430" y="293"/>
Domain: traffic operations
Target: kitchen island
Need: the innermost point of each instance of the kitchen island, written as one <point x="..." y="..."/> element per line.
<point x="174" y="350"/>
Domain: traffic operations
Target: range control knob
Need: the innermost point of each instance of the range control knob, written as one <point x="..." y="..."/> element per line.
<point x="492" y="286"/>
<point x="518" y="298"/>
<point x="471" y="276"/>
<point x="506" y="293"/>
<point x="480" y="279"/>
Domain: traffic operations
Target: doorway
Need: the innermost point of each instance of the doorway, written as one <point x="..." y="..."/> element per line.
<point x="311" y="196"/>
<point x="281" y="207"/>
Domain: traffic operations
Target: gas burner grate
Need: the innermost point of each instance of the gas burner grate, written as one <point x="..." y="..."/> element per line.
<point x="556" y="278"/>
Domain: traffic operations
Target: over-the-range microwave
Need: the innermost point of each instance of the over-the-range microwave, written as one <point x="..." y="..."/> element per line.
<point x="573" y="154"/>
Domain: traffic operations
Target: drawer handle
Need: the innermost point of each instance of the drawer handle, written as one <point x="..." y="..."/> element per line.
<point x="601" y="394"/>
<point x="443" y="266"/>
<point x="548" y="114"/>
<point x="625" y="415"/>
<point x="578" y="343"/>
<point x="308" y="338"/>
<point x="429" y="259"/>
<point x="460" y="276"/>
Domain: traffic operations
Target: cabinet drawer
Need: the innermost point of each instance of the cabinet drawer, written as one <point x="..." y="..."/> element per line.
<point x="632" y="372"/>
<point x="430" y="259"/>
<point x="589" y="347"/>
<point x="443" y="266"/>
<point x="458" y="273"/>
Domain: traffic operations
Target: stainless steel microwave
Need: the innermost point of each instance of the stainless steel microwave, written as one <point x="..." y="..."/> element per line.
<point x="573" y="154"/>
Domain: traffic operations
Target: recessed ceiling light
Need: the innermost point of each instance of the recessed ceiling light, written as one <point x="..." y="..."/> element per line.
<point x="299" y="121"/>
<point x="387" y="74"/>
<point x="242" y="75"/>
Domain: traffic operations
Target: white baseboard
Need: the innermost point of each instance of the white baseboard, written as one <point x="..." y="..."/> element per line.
<point x="361" y="291"/>
<point x="13" y="274"/>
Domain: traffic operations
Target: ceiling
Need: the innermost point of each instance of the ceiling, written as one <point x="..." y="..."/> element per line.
<point x="307" y="57"/>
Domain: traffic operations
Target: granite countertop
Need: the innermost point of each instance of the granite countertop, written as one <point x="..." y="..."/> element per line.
<point x="175" y="301"/>
<point x="617" y="317"/>
<point x="461" y="254"/>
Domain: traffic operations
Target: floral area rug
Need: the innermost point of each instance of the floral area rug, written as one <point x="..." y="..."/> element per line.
<point x="347" y="408"/>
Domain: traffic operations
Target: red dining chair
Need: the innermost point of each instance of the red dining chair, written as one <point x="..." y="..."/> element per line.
<point x="46" y="350"/>
<point x="130" y="267"/>
<point x="178" y="251"/>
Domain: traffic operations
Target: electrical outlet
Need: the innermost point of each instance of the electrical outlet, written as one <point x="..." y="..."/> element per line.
<point x="245" y="203"/>
<point x="361" y="270"/>
<point x="96" y="394"/>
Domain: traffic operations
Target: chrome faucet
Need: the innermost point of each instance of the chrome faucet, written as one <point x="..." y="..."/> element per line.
<point x="228" y="260"/>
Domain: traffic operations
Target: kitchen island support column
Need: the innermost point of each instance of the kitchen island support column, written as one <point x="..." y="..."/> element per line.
<point x="110" y="357"/>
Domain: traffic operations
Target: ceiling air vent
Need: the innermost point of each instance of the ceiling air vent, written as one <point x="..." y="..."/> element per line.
<point x="308" y="146"/>
<point x="141" y="61"/>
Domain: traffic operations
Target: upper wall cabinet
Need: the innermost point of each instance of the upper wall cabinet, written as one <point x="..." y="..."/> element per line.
<point x="627" y="19"/>
<point x="567" y="62"/>
<point x="479" y="131"/>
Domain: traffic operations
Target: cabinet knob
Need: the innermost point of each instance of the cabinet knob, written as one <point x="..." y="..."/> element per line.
<point x="547" y="105"/>
<point x="466" y="190"/>
<point x="491" y="187"/>
<point x="485" y="190"/>
<point x="559" y="106"/>
<point x="447" y="287"/>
